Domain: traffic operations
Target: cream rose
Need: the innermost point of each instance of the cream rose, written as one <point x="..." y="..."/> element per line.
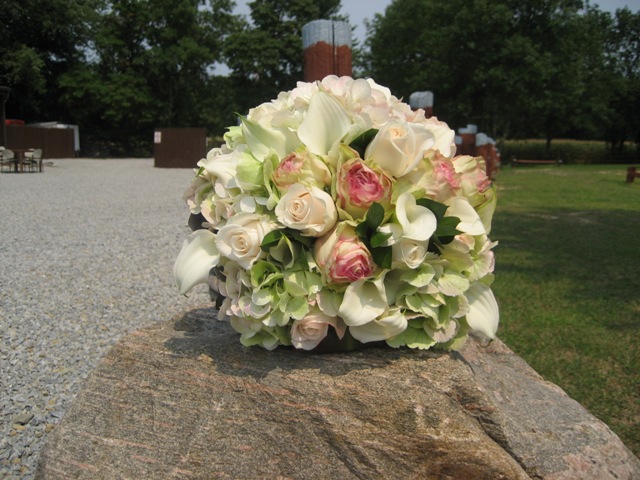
<point x="240" y="239"/>
<point x="308" y="332"/>
<point x="409" y="252"/>
<point x="307" y="209"/>
<point x="399" y="146"/>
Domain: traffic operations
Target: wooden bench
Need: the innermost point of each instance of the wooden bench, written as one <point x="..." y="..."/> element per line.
<point x="631" y="174"/>
<point x="519" y="161"/>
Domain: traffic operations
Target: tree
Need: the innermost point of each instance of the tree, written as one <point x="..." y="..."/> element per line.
<point x="266" y="57"/>
<point x="151" y="69"/>
<point x="624" y="61"/>
<point x="36" y="48"/>
<point x="514" y="67"/>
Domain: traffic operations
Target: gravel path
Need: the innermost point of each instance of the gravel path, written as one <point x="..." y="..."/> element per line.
<point x="86" y="256"/>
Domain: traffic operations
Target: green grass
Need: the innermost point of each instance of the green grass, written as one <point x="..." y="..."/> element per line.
<point x="568" y="283"/>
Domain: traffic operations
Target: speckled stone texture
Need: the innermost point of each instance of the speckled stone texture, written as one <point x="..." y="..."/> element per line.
<point x="184" y="399"/>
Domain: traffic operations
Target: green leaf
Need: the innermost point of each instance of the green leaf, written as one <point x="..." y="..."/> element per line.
<point x="362" y="230"/>
<point x="199" y="172"/>
<point x="412" y="337"/>
<point x="382" y="256"/>
<point x="271" y="239"/>
<point x="378" y="239"/>
<point x="375" y="216"/>
<point x="437" y="208"/>
<point x="360" y="143"/>
<point x="446" y="230"/>
<point x="298" y="237"/>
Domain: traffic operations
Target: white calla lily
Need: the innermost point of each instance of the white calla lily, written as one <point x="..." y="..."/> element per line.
<point x="487" y="209"/>
<point x="417" y="222"/>
<point x="325" y="124"/>
<point x="483" y="315"/>
<point x="392" y="324"/>
<point x="198" y="255"/>
<point x="262" y="141"/>
<point x="470" y="221"/>
<point x="363" y="301"/>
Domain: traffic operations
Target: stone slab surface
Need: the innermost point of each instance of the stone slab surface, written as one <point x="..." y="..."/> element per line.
<point x="185" y="400"/>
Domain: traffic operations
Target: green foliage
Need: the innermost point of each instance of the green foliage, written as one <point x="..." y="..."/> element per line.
<point x="374" y="240"/>
<point x="569" y="151"/>
<point x="515" y="68"/>
<point x="567" y="283"/>
<point x="36" y="48"/>
<point x="266" y="57"/>
<point x="518" y="69"/>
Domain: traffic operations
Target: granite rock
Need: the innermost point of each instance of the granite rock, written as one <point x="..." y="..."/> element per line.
<point x="184" y="399"/>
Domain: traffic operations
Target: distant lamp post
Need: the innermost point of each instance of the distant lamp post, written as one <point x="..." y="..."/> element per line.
<point x="4" y="94"/>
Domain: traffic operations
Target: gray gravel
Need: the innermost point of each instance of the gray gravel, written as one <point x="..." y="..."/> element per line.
<point x="86" y="255"/>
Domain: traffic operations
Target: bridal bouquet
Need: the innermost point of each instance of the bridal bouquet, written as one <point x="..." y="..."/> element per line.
<point x="337" y="211"/>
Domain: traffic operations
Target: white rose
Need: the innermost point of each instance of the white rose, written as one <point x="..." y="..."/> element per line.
<point x="221" y="165"/>
<point x="240" y="239"/>
<point x="399" y="146"/>
<point x="308" y="332"/>
<point x="308" y="209"/>
<point x="409" y="252"/>
<point x="444" y="136"/>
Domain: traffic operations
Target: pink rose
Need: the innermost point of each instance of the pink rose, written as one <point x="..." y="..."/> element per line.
<point x="301" y="167"/>
<point x="308" y="332"/>
<point x="359" y="186"/>
<point x="342" y="257"/>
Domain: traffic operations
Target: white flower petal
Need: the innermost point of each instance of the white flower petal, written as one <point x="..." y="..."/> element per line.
<point x="198" y="255"/>
<point x="470" y="221"/>
<point x="483" y="315"/>
<point x="325" y="124"/>
<point x="418" y="223"/>
<point x="262" y="140"/>
<point x="362" y="302"/>
<point x="380" y="329"/>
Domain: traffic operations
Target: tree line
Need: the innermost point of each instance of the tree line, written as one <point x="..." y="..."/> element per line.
<point x="516" y="68"/>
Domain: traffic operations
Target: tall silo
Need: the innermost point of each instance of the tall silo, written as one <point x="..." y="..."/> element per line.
<point x="327" y="49"/>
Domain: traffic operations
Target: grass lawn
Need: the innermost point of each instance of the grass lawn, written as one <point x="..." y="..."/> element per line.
<point x="568" y="283"/>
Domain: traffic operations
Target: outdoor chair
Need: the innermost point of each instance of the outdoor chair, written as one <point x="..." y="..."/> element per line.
<point x="7" y="160"/>
<point x="37" y="159"/>
<point x="33" y="160"/>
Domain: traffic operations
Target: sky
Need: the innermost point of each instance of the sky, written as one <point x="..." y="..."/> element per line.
<point x="361" y="10"/>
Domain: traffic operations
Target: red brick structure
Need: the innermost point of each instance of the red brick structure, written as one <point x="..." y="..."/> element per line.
<point x="327" y="49"/>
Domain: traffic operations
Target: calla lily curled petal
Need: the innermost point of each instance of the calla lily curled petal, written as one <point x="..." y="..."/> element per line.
<point x="198" y="256"/>
<point x="325" y="124"/>
<point x="483" y="315"/>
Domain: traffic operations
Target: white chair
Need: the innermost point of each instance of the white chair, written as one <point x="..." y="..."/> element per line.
<point x="33" y="160"/>
<point x="7" y="159"/>
<point x="36" y="160"/>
